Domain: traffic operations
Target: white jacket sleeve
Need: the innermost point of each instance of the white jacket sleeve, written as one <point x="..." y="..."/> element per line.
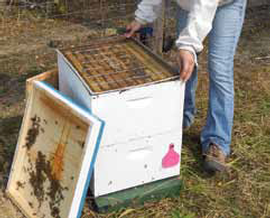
<point x="147" y="11"/>
<point x="199" y="24"/>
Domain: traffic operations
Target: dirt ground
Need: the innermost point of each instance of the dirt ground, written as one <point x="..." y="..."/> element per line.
<point x="27" y="48"/>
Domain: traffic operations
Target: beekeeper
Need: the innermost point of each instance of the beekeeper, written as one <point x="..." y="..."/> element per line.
<point x="222" y="21"/>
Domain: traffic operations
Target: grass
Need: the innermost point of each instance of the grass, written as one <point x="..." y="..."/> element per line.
<point x="243" y="192"/>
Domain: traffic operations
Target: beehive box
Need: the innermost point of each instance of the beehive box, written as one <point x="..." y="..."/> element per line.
<point x="139" y="97"/>
<point x="55" y="153"/>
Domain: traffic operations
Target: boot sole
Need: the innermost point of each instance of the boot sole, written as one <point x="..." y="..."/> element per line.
<point x="214" y="166"/>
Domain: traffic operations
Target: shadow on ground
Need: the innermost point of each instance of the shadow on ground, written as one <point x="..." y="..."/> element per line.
<point x="8" y="127"/>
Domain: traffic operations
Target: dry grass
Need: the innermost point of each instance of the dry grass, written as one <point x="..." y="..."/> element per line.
<point x="244" y="192"/>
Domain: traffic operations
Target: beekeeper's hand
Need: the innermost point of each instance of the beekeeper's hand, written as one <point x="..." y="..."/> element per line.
<point x="132" y="28"/>
<point x="186" y="64"/>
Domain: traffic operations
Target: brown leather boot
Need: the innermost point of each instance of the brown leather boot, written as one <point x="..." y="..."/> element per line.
<point x="214" y="159"/>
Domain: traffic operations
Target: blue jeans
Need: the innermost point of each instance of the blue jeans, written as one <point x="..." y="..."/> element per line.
<point x="223" y="39"/>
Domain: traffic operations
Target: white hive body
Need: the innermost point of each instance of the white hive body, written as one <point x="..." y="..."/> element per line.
<point x="140" y="99"/>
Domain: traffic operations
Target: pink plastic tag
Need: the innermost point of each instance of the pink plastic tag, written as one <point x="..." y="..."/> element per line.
<point x="171" y="159"/>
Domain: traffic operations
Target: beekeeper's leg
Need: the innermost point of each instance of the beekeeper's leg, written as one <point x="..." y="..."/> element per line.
<point x="223" y="41"/>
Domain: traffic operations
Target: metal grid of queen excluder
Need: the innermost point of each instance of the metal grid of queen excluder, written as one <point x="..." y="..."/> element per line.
<point x="117" y="63"/>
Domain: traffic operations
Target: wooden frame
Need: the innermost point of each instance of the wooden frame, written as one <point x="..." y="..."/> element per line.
<point x="55" y="155"/>
<point x="50" y="77"/>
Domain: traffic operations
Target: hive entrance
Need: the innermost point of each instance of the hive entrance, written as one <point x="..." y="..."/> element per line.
<point x="117" y="63"/>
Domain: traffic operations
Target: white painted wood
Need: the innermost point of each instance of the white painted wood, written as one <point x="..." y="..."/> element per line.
<point x="133" y="115"/>
<point x="139" y="112"/>
<point x="86" y="170"/>
<point x="72" y="85"/>
<point x="55" y="152"/>
<point x="134" y="163"/>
